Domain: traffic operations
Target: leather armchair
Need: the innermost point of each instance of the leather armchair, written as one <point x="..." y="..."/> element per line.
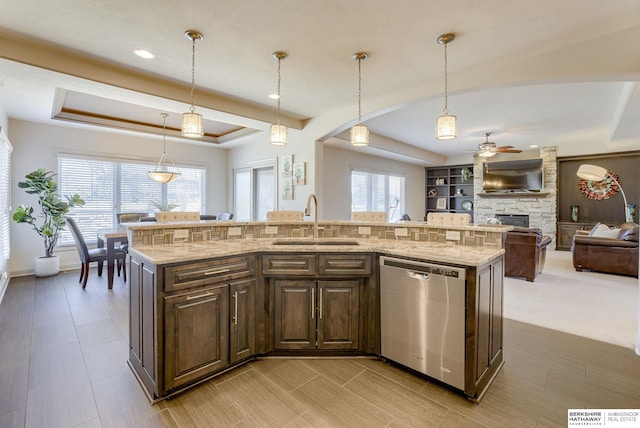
<point x="525" y="252"/>
<point x="608" y="255"/>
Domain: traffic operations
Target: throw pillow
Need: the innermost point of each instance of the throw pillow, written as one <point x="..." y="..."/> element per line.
<point x="604" y="231"/>
<point x="593" y="230"/>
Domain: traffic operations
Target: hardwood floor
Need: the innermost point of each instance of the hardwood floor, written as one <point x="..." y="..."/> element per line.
<point x="63" y="355"/>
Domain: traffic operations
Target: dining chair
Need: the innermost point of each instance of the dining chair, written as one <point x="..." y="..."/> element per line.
<point x="130" y="217"/>
<point x="224" y="216"/>
<point x="97" y="255"/>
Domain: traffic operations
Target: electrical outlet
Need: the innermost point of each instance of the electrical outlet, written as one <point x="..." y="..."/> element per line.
<point x="181" y="233"/>
<point x="453" y="235"/>
<point x="401" y="231"/>
<point x="234" y="231"/>
<point x="364" y="230"/>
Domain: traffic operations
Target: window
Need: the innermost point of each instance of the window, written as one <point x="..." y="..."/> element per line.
<point x="377" y="192"/>
<point x="254" y="192"/>
<point x="109" y="187"/>
<point x="5" y="203"/>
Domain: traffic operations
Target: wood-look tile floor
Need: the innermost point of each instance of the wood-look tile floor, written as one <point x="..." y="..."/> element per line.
<point x="63" y="355"/>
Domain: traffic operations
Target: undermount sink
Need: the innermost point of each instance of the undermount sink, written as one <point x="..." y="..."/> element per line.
<point x="313" y="242"/>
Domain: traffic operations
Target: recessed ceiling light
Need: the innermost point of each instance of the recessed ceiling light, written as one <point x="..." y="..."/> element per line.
<point x="143" y="53"/>
<point x="274" y="96"/>
<point x="534" y="146"/>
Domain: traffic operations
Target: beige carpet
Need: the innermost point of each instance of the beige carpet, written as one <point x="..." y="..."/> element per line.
<point x="594" y="305"/>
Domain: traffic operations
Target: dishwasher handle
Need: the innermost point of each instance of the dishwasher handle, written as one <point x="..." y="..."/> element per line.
<point x="423" y="276"/>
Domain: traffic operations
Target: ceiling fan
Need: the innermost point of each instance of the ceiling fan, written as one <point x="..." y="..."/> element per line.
<point x="488" y="148"/>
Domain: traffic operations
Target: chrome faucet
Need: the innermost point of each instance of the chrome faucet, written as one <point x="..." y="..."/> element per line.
<point x="307" y="212"/>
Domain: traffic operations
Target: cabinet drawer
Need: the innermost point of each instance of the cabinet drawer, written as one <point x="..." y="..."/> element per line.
<point x="205" y="273"/>
<point x="289" y="264"/>
<point x="340" y="264"/>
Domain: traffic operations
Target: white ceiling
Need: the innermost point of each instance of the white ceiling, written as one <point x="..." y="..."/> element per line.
<point x="548" y="72"/>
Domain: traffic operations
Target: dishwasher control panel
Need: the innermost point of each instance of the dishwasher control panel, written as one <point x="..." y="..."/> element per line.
<point x="458" y="273"/>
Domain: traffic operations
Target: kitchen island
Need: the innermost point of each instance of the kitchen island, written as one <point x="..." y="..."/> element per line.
<point x="204" y="301"/>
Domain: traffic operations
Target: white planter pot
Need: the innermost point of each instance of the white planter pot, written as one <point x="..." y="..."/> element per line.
<point x="46" y="266"/>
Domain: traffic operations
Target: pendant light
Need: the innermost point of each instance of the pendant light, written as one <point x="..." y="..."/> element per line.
<point x="446" y="124"/>
<point x="359" y="132"/>
<point x="163" y="173"/>
<point x="192" y="121"/>
<point x="278" y="132"/>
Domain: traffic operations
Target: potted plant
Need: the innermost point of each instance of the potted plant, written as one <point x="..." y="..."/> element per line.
<point x="50" y="221"/>
<point x="466" y="174"/>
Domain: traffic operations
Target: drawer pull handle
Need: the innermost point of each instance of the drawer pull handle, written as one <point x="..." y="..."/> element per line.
<point x="216" y="271"/>
<point x="200" y="296"/>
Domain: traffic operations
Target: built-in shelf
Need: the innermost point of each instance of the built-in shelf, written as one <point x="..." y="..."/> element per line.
<point x="513" y="194"/>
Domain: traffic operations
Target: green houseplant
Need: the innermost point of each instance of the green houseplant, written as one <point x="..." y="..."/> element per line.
<point x="50" y="221"/>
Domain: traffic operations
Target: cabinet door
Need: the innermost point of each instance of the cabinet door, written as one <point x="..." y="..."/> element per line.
<point x="196" y="335"/>
<point x="295" y="320"/>
<point x="142" y="325"/>
<point x="338" y="314"/>
<point x="242" y="312"/>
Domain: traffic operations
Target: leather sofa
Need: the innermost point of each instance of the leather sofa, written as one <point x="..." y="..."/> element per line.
<point x="525" y="251"/>
<point x="617" y="255"/>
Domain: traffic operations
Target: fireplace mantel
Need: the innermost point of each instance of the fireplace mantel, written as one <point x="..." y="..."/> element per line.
<point x="513" y="194"/>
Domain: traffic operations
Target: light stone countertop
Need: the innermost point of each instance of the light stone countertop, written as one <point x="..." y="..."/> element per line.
<point x="427" y="251"/>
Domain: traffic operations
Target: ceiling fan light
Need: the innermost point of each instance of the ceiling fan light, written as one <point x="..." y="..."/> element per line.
<point x="446" y="127"/>
<point x="359" y="136"/>
<point x="278" y="135"/>
<point x="192" y="125"/>
<point x="487" y="154"/>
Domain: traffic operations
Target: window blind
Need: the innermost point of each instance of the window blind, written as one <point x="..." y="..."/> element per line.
<point x="109" y="187"/>
<point x="377" y="192"/>
<point x="5" y="202"/>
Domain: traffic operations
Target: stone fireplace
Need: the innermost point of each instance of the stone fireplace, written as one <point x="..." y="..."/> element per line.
<point x="541" y="209"/>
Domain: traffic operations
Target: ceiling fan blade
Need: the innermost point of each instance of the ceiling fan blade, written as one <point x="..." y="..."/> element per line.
<point x="504" y="147"/>
<point x="508" y="151"/>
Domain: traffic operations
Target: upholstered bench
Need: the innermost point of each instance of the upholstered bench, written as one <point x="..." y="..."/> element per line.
<point x="448" y="219"/>
<point x="164" y="217"/>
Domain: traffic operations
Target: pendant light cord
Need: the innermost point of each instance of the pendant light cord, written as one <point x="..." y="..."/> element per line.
<point x="446" y="86"/>
<point x="279" y="61"/>
<point x="359" y="90"/>
<point x="164" y="133"/>
<point x="193" y="72"/>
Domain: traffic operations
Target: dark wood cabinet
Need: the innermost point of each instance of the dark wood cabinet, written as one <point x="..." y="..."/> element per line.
<point x="243" y="319"/>
<point x="316" y="314"/>
<point x="447" y="190"/>
<point x="566" y="230"/>
<point x="317" y="301"/>
<point x="189" y="321"/>
<point x="295" y="309"/>
<point x="484" y="356"/>
<point x="338" y="314"/>
<point x="196" y="331"/>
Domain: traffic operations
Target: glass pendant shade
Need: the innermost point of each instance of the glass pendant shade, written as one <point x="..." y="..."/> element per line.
<point x="278" y="135"/>
<point x="446" y="127"/>
<point x="164" y="172"/>
<point x="359" y="136"/>
<point x="192" y="125"/>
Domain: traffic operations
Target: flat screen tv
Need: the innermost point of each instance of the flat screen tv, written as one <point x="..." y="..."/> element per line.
<point x="524" y="175"/>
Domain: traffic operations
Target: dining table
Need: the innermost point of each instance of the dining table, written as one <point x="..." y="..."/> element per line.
<point x="109" y="238"/>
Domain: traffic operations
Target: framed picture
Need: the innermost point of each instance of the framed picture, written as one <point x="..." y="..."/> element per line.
<point x="441" y="203"/>
<point x="286" y="189"/>
<point x="299" y="176"/>
<point x="286" y="166"/>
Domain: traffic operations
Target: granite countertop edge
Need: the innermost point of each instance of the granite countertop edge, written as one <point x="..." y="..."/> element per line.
<point x="428" y="251"/>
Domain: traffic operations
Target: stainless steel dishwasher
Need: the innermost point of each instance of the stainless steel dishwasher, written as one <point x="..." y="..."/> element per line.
<point x="423" y="317"/>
